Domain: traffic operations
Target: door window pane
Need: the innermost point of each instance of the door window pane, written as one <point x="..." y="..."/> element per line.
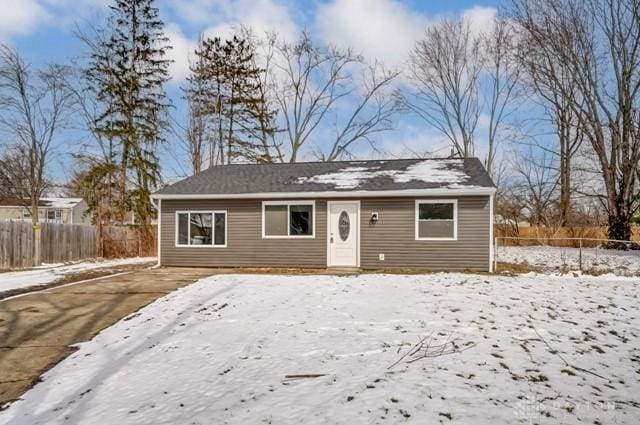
<point x="344" y="225"/>
<point x="275" y="220"/>
<point x="300" y="220"/>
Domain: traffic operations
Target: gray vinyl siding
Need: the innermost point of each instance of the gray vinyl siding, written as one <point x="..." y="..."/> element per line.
<point x="393" y="235"/>
<point x="245" y="245"/>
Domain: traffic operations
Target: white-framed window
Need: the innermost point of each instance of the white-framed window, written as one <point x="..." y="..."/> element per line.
<point x="54" y="216"/>
<point x="288" y="219"/>
<point x="201" y="229"/>
<point x="437" y="219"/>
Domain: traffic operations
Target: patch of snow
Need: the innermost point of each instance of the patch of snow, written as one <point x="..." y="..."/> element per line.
<point x="558" y="260"/>
<point x="547" y="350"/>
<point x="49" y="273"/>
<point x="61" y="202"/>
<point x="429" y="171"/>
<point x="347" y="178"/>
<point x="440" y="171"/>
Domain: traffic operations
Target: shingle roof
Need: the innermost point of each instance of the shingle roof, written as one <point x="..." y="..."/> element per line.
<point x="340" y="176"/>
<point x="43" y="202"/>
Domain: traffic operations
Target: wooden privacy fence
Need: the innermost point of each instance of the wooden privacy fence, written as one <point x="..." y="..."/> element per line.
<point x="58" y="243"/>
<point x="16" y="244"/>
<point x="61" y="243"/>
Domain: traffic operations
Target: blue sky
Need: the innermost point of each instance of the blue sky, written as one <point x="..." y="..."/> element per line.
<point x="383" y="29"/>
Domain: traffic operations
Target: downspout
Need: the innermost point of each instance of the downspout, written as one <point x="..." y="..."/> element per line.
<point x="491" y="241"/>
<point x="158" y="205"/>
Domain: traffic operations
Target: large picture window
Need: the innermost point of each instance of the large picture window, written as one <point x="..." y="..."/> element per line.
<point x="201" y="229"/>
<point x="282" y="219"/>
<point x="436" y="220"/>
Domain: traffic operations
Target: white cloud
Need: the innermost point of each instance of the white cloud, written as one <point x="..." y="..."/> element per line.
<point x="22" y="17"/>
<point x="385" y="29"/>
<point x="217" y="18"/>
<point x="183" y="47"/>
<point x="412" y="139"/>
<point x="19" y="17"/>
<point x="379" y="29"/>
<point x="480" y="19"/>
<point x="221" y="17"/>
<point x="261" y="16"/>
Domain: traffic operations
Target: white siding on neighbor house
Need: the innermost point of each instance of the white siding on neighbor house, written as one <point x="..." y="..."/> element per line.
<point x="78" y="214"/>
<point x="22" y="213"/>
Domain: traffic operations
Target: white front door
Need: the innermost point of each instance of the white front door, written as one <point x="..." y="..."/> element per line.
<point x="343" y="233"/>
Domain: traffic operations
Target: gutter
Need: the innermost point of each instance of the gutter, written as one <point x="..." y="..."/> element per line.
<point x="476" y="191"/>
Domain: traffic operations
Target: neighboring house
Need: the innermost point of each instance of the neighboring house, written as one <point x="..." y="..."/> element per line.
<point x="412" y="213"/>
<point x="53" y="210"/>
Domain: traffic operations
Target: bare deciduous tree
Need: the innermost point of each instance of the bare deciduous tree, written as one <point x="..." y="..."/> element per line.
<point x="311" y="80"/>
<point x="444" y="68"/>
<point x="196" y="138"/>
<point x="510" y="208"/>
<point x="503" y="69"/>
<point x="550" y="81"/>
<point x="537" y="184"/>
<point x="265" y="109"/>
<point x="362" y="125"/>
<point x="14" y="175"/>
<point x="598" y="43"/>
<point x="458" y="75"/>
<point x="33" y="105"/>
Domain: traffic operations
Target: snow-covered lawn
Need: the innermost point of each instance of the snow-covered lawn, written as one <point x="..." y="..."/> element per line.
<point x="45" y="274"/>
<point x="553" y="259"/>
<point x="534" y="349"/>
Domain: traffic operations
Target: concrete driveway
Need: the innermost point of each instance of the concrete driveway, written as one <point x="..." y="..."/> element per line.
<point x="38" y="329"/>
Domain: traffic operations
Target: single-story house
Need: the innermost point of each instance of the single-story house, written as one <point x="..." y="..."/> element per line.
<point x="50" y="210"/>
<point x="434" y="214"/>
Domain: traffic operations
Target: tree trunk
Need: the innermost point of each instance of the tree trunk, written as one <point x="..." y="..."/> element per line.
<point x="34" y="210"/>
<point x="122" y="185"/>
<point x="37" y="235"/>
<point x="565" y="186"/>
<point x="619" y="223"/>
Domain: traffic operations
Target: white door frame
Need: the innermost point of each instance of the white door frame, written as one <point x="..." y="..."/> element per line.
<point x="353" y="202"/>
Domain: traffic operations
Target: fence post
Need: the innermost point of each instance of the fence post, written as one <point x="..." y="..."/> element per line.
<point x="37" y="242"/>
<point x="580" y="255"/>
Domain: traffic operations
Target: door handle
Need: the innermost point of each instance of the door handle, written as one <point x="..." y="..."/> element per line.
<point x="331" y="239"/>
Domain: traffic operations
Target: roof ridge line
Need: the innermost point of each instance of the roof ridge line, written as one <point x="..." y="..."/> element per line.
<point x="340" y="161"/>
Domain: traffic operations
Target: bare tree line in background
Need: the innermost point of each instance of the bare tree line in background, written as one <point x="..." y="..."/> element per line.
<point x="583" y="58"/>
<point x="263" y="99"/>
<point x="34" y="105"/>
<point x="571" y="67"/>
<point x="457" y="76"/>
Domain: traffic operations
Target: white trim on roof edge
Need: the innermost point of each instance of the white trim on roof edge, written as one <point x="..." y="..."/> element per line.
<point x="480" y="191"/>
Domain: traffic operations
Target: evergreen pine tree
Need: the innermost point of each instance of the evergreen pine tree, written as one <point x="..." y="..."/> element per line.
<point x="129" y="71"/>
<point x="225" y="86"/>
